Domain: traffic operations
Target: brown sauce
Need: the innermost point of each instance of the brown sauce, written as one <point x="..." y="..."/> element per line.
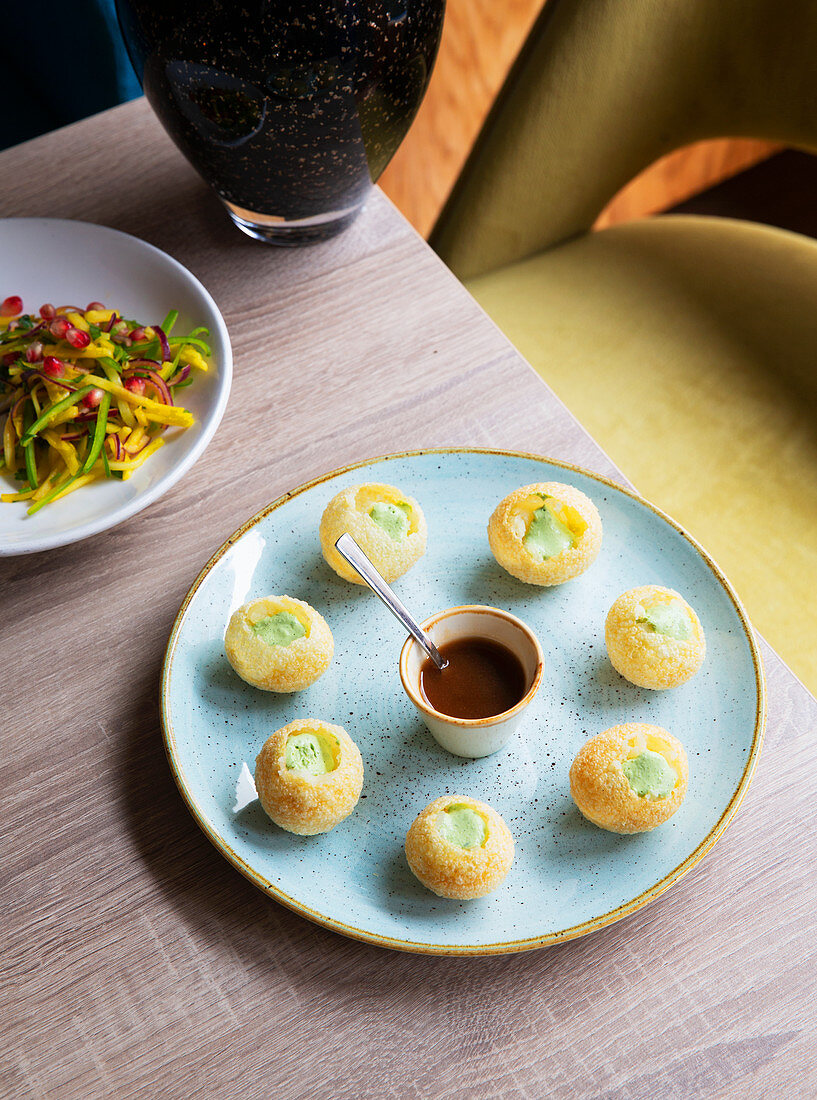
<point x="483" y="678"/>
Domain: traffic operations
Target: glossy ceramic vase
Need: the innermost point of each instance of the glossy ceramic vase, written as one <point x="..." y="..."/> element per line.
<point x="291" y="110"/>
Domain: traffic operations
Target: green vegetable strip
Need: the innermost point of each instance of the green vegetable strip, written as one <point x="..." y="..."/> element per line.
<point x="169" y="322"/>
<point x="105" y="462"/>
<point x="111" y="368"/>
<point x="49" y="414"/>
<point x="99" y="433"/>
<point x="168" y="371"/>
<point x="193" y="343"/>
<point x="30" y="457"/>
<point x="49" y="496"/>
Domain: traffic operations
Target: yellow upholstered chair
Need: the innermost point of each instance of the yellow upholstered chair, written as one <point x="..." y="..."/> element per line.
<point x="686" y="345"/>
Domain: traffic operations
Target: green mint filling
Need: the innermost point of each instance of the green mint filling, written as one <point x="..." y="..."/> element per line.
<point x="547" y="536"/>
<point x="670" y="619"/>
<point x="393" y="518"/>
<point x="462" y="826"/>
<point x="282" y="628"/>
<point x="308" y="752"/>
<point x="649" y="775"/>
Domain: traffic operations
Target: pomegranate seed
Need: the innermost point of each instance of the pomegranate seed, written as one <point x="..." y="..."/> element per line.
<point x="53" y="367"/>
<point x="77" y="338"/>
<point x="48" y="312"/>
<point x="135" y="385"/>
<point x="137" y="335"/>
<point x="59" y="326"/>
<point x="91" y="400"/>
<point x="34" y="352"/>
<point x="12" y="306"/>
<point x="96" y="306"/>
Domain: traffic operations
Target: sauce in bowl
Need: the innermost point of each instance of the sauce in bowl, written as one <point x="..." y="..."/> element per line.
<point x="483" y="678"/>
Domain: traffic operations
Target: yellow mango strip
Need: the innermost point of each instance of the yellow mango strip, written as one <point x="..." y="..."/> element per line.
<point x="135" y="437"/>
<point x="125" y="412"/>
<point x="193" y="357"/>
<point x="46" y="486"/>
<point x="64" y="417"/>
<point x="78" y="321"/>
<point x="99" y="316"/>
<point x="153" y="410"/>
<point x="7" y="498"/>
<point x="181" y="418"/>
<point x="141" y="419"/>
<point x="9" y="440"/>
<point x="83" y="480"/>
<point x="98" y="350"/>
<point x="18" y="422"/>
<point x="131" y="464"/>
<point x="55" y="393"/>
<point x="64" y="449"/>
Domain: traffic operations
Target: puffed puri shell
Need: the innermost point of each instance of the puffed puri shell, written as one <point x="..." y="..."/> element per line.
<point x="506" y="534"/>
<point x="298" y="801"/>
<point x="453" y="872"/>
<point x="273" y="667"/>
<point x="348" y="512"/>
<point x="602" y="791"/>
<point x="647" y="658"/>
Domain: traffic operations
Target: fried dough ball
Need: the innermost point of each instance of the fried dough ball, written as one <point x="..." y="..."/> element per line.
<point x="459" y="847"/>
<point x="278" y="643"/>
<point x="630" y="778"/>
<point x="308" y="776"/>
<point x="545" y="533"/>
<point x="654" y="638"/>
<point x="387" y="525"/>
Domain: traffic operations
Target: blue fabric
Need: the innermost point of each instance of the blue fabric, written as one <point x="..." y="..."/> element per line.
<point x="60" y="60"/>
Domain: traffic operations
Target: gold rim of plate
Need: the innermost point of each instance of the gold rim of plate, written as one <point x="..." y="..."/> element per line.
<point x="509" y="946"/>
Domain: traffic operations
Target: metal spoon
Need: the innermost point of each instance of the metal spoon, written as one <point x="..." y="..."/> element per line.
<point x="349" y="549"/>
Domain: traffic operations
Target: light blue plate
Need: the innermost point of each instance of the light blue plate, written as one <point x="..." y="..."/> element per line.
<point x="568" y="877"/>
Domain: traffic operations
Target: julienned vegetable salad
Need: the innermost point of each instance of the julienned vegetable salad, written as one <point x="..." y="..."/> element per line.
<point x="87" y="394"/>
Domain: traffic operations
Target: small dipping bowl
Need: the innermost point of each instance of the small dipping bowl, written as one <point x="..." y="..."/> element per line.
<point x="473" y="737"/>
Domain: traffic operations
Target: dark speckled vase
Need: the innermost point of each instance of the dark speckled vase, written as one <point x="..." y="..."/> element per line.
<point x="290" y="109"/>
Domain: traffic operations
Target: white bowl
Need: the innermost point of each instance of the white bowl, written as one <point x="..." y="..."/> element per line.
<point x="473" y="737"/>
<point x="69" y="262"/>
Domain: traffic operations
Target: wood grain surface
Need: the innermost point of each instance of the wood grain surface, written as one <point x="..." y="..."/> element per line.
<point x="136" y="961"/>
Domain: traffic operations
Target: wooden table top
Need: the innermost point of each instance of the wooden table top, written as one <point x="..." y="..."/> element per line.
<point x="137" y="961"/>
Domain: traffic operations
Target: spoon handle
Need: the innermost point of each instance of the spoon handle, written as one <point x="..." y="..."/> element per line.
<point x="349" y="549"/>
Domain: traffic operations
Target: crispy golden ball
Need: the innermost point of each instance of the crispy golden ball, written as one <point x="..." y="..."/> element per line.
<point x="606" y="796"/>
<point x="545" y="533"/>
<point x="654" y="638"/>
<point x="388" y="525"/>
<point x="295" y="798"/>
<point x="452" y="871"/>
<point x="291" y="664"/>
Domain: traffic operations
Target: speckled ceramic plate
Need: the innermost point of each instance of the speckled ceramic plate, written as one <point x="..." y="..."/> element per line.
<point x="568" y="877"/>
